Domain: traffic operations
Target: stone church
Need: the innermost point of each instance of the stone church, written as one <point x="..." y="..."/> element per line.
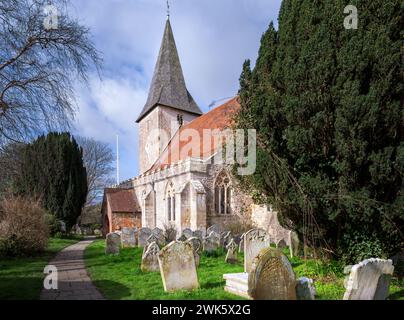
<point x="179" y="183"/>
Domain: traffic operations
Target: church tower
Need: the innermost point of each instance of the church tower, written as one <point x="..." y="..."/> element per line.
<point x="169" y="104"/>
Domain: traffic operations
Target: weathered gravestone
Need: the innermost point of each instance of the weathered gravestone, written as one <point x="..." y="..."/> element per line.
<point x="150" y="262"/>
<point x="196" y="247"/>
<point x="254" y="241"/>
<point x="128" y="237"/>
<point x="177" y="267"/>
<point x="305" y="289"/>
<point x="271" y="277"/>
<point x="198" y="234"/>
<point x="211" y="243"/>
<point x="183" y="238"/>
<point x="216" y="228"/>
<point x="144" y="234"/>
<point x="369" y="280"/>
<point x="231" y="256"/>
<point x="241" y="243"/>
<point x="294" y="244"/>
<point x="159" y="235"/>
<point x="112" y="243"/>
<point x="187" y="233"/>
<point x="225" y="238"/>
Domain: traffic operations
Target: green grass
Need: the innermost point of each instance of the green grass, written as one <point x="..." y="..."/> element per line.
<point x="120" y="278"/>
<point x="21" y="278"/>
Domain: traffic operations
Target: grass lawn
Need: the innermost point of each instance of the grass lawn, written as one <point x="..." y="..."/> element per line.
<point x="21" y="278"/>
<point x="120" y="277"/>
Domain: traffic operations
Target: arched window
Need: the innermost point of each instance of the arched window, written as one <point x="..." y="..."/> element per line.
<point x="170" y="200"/>
<point x="223" y="194"/>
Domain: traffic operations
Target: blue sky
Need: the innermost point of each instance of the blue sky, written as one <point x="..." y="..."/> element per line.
<point x="213" y="38"/>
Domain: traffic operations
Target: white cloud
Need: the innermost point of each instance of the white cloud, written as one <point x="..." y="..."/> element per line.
<point x="213" y="39"/>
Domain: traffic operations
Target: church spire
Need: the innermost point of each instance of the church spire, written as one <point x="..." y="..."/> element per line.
<point x="168" y="86"/>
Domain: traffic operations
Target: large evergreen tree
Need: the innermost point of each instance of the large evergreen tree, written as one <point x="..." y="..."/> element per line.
<point x="326" y="104"/>
<point x="52" y="169"/>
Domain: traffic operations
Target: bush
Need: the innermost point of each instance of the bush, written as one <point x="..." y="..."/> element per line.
<point x="359" y="248"/>
<point x="23" y="227"/>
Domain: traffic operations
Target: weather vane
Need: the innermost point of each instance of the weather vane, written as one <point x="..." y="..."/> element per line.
<point x="168" y="10"/>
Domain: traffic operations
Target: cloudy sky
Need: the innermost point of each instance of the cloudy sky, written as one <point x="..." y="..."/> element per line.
<point x="213" y="38"/>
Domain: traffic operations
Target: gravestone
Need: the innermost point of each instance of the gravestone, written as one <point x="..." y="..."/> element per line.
<point x="159" y="233"/>
<point x="231" y="256"/>
<point x="369" y="280"/>
<point x="225" y="238"/>
<point x="196" y="247"/>
<point x="216" y="228"/>
<point x="183" y="238"/>
<point x="177" y="267"/>
<point x="215" y="235"/>
<point x="294" y="244"/>
<point x="128" y="237"/>
<point x="187" y="233"/>
<point x="150" y="262"/>
<point x="255" y="240"/>
<point x="305" y="289"/>
<point x="241" y="243"/>
<point x="271" y="277"/>
<point x="144" y="234"/>
<point x="112" y="243"/>
<point x="198" y="234"/>
<point x="211" y="243"/>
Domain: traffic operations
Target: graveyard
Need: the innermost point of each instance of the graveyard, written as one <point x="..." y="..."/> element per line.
<point x="124" y="276"/>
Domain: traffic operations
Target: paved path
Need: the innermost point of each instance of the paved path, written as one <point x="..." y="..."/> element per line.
<point x="74" y="282"/>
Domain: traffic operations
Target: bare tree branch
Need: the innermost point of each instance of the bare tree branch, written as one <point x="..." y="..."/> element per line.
<point x="39" y="68"/>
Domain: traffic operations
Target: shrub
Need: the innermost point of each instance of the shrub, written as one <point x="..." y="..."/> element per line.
<point x="358" y="248"/>
<point x="23" y="227"/>
<point x="170" y="232"/>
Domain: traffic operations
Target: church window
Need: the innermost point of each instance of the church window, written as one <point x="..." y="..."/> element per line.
<point x="170" y="199"/>
<point x="223" y="194"/>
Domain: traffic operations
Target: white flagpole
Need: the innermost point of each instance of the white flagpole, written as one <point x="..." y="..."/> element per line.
<point x="117" y="160"/>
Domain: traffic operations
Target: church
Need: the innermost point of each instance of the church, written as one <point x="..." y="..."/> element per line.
<point x="180" y="186"/>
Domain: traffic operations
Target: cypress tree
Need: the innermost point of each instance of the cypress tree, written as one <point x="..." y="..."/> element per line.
<point x="326" y="105"/>
<point x="52" y="169"/>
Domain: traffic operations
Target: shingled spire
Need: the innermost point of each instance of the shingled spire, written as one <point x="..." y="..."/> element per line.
<point x="168" y="85"/>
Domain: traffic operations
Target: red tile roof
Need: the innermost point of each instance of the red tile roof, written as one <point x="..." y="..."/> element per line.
<point x="122" y="200"/>
<point x="219" y="118"/>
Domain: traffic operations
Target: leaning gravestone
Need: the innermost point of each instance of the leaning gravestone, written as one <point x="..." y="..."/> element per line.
<point x="255" y="240"/>
<point x="113" y="243"/>
<point x="231" y="256"/>
<point x="177" y="267"/>
<point x="196" y="247"/>
<point x="211" y="243"/>
<point x="159" y="235"/>
<point x="369" y="280"/>
<point x="144" y="234"/>
<point x="150" y="262"/>
<point x="271" y="277"/>
<point x="128" y="237"/>
<point x="188" y="233"/>
<point x="305" y="289"/>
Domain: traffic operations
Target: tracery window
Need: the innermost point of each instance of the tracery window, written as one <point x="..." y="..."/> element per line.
<point x="223" y="194"/>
